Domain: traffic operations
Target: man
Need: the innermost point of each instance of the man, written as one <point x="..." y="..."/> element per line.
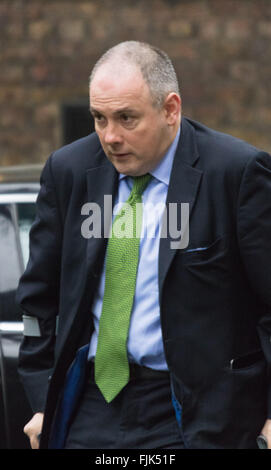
<point x="159" y="345"/>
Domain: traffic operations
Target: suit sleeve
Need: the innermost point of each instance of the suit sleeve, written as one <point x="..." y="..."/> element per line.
<point x="38" y="293"/>
<point x="254" y="231"/>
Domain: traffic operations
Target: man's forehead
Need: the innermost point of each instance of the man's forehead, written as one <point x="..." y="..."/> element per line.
<point x="117" y="69"/>
<point x="117" y="80"/>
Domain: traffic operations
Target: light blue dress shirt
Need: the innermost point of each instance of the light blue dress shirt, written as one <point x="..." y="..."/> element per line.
<point x="144" y="344"/>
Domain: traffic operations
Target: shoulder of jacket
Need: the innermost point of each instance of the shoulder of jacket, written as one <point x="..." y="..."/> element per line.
<point x="224" y="150"/>
<point x="66" y="168"/>
<point x="80" y="153"/>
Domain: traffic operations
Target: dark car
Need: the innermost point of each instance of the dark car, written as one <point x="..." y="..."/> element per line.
<point x="19" y="187"/>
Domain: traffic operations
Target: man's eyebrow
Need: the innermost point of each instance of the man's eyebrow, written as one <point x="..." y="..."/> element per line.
<point x="116" y="113"/>
<point x="124" y="110"/>
<point x="93" y="110"/>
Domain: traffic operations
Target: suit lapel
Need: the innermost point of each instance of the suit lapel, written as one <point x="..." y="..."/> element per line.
<point x="101" y="181"/>
<point x="183" y="187"/>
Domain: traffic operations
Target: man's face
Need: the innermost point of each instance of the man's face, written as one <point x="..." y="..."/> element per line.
<point x="133" y="133"/>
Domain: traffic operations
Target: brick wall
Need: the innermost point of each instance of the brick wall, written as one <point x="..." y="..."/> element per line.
<point x="221" y="50"/>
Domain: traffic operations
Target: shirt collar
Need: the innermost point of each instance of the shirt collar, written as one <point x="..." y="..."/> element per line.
<point x="162" y="171"/>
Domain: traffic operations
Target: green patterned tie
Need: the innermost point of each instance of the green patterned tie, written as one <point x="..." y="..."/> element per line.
<point x="111" y="361"/>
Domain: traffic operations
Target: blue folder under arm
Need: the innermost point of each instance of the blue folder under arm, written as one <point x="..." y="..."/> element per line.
<point x="74" y="385"/>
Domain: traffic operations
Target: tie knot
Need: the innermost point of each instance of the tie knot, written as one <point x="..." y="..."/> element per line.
<point x="140" y="183"/>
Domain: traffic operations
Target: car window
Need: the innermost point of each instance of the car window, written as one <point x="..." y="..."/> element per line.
<point x="15" y="223"/>
<point x="26" y="214"/>
<point x="10" y="258"/>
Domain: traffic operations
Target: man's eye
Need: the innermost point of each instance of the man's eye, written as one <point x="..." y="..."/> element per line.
<point x="126" y="118"/>
<point x="99" y="119"/>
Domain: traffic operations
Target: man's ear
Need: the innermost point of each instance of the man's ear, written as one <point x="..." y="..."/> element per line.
<point x="172" y="108"/>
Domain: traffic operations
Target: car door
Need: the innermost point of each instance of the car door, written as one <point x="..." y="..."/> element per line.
<point x="17" y="212"/>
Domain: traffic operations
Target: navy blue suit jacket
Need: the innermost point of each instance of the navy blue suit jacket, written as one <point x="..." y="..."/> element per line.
<point x="215" y="302"/>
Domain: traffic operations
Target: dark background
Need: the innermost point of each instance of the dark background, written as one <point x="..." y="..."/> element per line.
<point x="221" y="50"/>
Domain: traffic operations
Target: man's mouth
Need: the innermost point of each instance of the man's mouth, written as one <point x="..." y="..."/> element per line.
<point x="119" y="155"/>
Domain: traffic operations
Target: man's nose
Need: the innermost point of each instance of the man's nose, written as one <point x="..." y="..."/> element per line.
<point x="112" y="135"/>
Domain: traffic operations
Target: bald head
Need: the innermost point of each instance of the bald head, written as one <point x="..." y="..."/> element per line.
<point x="154" y="65"/>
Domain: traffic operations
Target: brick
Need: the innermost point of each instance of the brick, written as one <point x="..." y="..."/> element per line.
<point x="180" y="28"/>
<point x="264" y="28"/>
<point x="15" y="30"/>
<point x="210" y="29"/>
<point x="40" y="72"/>
<point x="12" y="73"/>
<point x="246" y="71"/>
<point x="39" y="29"/>
<point x="72" y="30"/>
<point x="46" y="113"/>
<point x="88" y="9"/>
<point x="236" y="29"/>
